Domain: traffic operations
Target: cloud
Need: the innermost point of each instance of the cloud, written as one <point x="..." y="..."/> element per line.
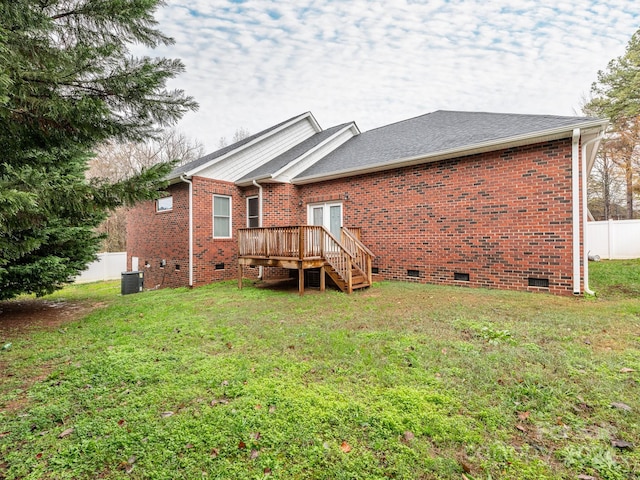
<point x="254" y="63"/>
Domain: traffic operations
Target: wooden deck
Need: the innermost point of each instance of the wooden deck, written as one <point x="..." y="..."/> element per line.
<point x="346" y="260"/>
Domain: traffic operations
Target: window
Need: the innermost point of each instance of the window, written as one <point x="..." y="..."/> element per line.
<point x="164" y="204"/>
<point x="221" y="216"/>
<point x="253" y="212"/>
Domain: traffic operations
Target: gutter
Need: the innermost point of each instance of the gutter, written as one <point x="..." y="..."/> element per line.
<point x="184" y="179"/>
<point x="260" y="269"/>
<point x="585" y="212"/>
<point x="259" y="202"/>
<point x="575" y="196"/>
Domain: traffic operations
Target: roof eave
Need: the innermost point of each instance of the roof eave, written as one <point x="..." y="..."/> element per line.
<point x="510" y="142"/>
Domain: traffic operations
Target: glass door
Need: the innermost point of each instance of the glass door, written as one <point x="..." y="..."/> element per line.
<point x="328" y="215"/>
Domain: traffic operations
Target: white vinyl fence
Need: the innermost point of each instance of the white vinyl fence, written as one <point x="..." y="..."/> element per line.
<point x="109" y="266"/>
<point x="614" y="239"/>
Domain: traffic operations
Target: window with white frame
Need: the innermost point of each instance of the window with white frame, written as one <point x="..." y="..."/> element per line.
<point x="221" y="216"/>
<point x="164" y="204"/>
<point x="253" y="212"/>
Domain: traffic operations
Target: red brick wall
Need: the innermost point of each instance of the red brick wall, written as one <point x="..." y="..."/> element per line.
<point x="280" y="205"/>
<point x="501" y="217"/>
<point x="155" y="236"/>
<point x="215" y="259"/>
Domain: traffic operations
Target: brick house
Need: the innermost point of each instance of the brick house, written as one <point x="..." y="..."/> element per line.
<point x="458" y="198"/>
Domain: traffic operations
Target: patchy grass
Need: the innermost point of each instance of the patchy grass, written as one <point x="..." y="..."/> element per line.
<point x="616" y="278"/>
<point x="401" y="381"/>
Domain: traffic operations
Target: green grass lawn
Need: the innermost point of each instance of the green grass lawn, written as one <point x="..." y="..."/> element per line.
<point x="400" y="381"/>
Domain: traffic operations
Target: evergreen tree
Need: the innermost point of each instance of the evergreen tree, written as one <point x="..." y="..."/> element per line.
<point x="616" y="95"/>
<point x="68" y="83"/>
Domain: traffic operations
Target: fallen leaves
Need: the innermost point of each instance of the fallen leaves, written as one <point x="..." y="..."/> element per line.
<point x="622" y="444"/>
<point x="621" y="406"/>
<point x="166" y="414"/>
<point x="66" y="433"/>
<point x="345" y="447"/>
<point x="408" y="436"/>
<point x="626" y="370"/>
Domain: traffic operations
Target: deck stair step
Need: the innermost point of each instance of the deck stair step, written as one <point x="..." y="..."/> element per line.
<point x="358" y="279"/>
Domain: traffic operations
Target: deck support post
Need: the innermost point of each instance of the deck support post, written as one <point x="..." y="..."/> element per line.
<point x="322" y="280"/>
<point x="240" y="271"/>
<point x="300" y="279"/>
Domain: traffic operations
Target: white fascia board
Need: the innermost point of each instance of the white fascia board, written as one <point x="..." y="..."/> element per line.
<point x="307" y="115"/>
<point x="282" y="172"/>
<point x="509" y="142"/>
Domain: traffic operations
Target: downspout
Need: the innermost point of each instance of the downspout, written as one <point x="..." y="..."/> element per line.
<point x="575" y="194"/>
<point x="260" y="269"/>
<point x="184" y="179"/>
<point x="585" y="210"/>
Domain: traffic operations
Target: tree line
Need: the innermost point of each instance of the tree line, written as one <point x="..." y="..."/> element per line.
<point x="614" y="184"/>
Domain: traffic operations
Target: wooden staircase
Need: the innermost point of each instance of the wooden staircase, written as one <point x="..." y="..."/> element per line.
<point x="349" y="265"/>
<point x="358" y="278"/>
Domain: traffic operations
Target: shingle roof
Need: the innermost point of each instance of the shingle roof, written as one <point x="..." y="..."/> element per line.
<point x="287" y="157"/>
<point x="429" y="134"/>
<point x="176" y="172"/>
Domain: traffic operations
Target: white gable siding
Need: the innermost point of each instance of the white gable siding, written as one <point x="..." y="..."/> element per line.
<point x="325" y="149"/>
<point x="241" y="163"/>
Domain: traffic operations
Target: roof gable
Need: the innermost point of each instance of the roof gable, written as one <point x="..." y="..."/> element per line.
<point x="234" y="161"/>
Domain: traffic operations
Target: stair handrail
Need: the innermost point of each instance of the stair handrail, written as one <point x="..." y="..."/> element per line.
<point x="358" y="242"/>
<point x="336" y="255"/>
<point x="362" y="255"/>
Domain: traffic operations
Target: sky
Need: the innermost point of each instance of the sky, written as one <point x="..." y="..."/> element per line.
<point x="253" y="63"/>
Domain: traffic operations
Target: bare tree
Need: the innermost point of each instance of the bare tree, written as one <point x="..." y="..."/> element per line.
<point x="117" y="161"/>
<point x="240" y="134"/>
<point x="606" y="184"/>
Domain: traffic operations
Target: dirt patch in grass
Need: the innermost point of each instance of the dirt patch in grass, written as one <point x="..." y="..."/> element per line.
<point x="22" y="315"/>
<point x="18" y="317"/>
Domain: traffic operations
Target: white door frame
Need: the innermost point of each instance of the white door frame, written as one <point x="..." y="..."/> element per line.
<point x="326" y="217"/>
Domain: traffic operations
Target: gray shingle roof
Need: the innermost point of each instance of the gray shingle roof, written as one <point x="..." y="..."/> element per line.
<point x="440" y="131"/>
<point x="287" y="157"/>
<point x="176" y="172"/>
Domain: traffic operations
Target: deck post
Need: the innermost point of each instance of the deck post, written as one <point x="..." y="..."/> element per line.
<point x="300" y="279"/>
<point x="240" y="268"/>
<point x="322" y="280"/>
<point x="301" y="243"/>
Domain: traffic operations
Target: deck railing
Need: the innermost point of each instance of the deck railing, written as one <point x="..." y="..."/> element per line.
<point x="300" y="242"/>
